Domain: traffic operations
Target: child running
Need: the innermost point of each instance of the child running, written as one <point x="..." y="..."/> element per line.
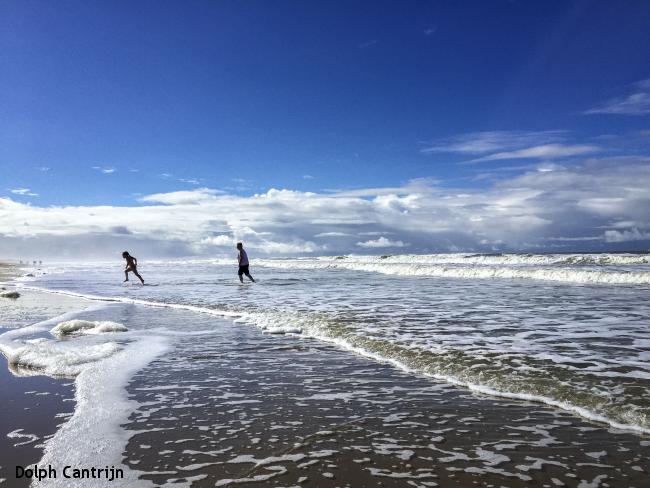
<point x="131" y="265"/>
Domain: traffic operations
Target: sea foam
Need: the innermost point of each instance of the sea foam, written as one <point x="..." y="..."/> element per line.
<point x="86" y="327"/>
<point x="544" y="268"/>
<point x="441" y="367"/>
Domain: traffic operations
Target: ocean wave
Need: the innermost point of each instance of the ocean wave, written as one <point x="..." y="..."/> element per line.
<point x="487" y="374"/>
<point x="512" y="259"/>
<point x="558" y="274"/>
<point x="491" y="259"/>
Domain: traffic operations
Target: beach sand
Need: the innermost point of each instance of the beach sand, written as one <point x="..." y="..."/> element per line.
<point x="7" y="271"/>
<point x="242" y="408"/>
<point x="264" y="410"/>
<point x="32" y="406"/>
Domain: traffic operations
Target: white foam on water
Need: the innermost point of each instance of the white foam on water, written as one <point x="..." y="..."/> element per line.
<point x="415" y="269"/>
<point x="54" y="358"/>
<point x="93" y="436"/>
<point x="312" y="326"/>
<point x="87" y="327"/>
<point x="51" y="357"/>
<point x="600" y="259"/>
<point x="486" y="390"/>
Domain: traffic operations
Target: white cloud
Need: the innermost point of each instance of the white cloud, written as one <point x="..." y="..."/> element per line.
<point x="381" y="242"/>
<point x="504" y="145"/>
<point x="220" y="240"/>
<point x="493" y="141"/>
<point x="547" y="151"/>
<point x="107" y="170"/>
<point x="637" y="103"/>
<point x="191" y="181"/>
<point x="332" y="234"/>
<point x="189" y="197"/>
<point x="626" y="235"/>
<point x="600" y="204"/>
<point x="367" y="44"/>
<point x="23" y="191"/>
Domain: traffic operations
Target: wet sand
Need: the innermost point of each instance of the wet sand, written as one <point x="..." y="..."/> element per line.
<point x="267" y="410"/>
<point x="31" y="406"/>
<point x="7" y="272"/>
<point x="239" y="407"/>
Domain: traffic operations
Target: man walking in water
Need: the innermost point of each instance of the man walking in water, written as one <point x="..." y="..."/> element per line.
<point x="242" y="258"/>
<point x="131" y="265"/>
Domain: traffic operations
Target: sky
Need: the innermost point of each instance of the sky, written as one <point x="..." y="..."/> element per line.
<point x="176" y="128"/>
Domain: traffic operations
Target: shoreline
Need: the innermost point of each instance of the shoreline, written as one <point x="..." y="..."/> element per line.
<point x="34" y="406"/>
<point x="238" y="406"/>
<point x="477" y="389"/>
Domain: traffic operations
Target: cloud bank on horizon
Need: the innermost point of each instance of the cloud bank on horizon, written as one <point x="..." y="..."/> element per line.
<point x="596" y="204"/>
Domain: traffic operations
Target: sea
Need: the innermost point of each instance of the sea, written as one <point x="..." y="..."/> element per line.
<point x="569" y="333"/>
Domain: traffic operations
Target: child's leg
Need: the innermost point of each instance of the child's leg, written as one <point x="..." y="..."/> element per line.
<point x="135" y="272"/>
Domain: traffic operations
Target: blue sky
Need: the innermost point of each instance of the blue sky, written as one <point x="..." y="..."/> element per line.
<point x="108" y="103"/>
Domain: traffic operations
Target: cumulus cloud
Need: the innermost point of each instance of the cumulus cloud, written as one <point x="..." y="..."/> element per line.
<point x="220" y="240"/>
<point x="636" y="103"/>
<point x="189" y="197"/>
<point x="599" y="204"/>
<point x="381" y="242"/>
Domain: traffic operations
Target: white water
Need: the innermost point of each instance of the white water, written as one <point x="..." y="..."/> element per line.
<point x="101" y="369"/>
<point x="570" y="331"/>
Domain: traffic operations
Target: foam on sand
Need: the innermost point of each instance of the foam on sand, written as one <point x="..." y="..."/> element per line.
<point x="54" y="358"/>
<point x="445" y="367"/>
<point x="86" y="327"/>
<point x="102" y="369"/>
<point x="93" y="436"/>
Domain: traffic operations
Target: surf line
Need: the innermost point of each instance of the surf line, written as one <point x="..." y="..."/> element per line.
<point x="136" y="301"/>
<point x="343" y="344"/>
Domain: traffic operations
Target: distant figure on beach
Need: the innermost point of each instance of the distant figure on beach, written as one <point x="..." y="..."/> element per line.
<point x="131" y="265"/>
<point x="242" y="258"/>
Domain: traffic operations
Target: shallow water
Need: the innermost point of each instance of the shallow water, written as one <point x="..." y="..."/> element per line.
<point x="208" y="400"/>
<point x="488" y="322"/>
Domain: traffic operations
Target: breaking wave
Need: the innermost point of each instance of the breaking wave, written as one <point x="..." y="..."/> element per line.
<point x="492" y="373"/>
<point x="584" y="269"/>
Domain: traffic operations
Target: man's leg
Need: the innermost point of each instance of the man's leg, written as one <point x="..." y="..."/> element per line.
<point x="249" y="276"/>
<point x="240" y="273"/>
<point x="126" y="275"/>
